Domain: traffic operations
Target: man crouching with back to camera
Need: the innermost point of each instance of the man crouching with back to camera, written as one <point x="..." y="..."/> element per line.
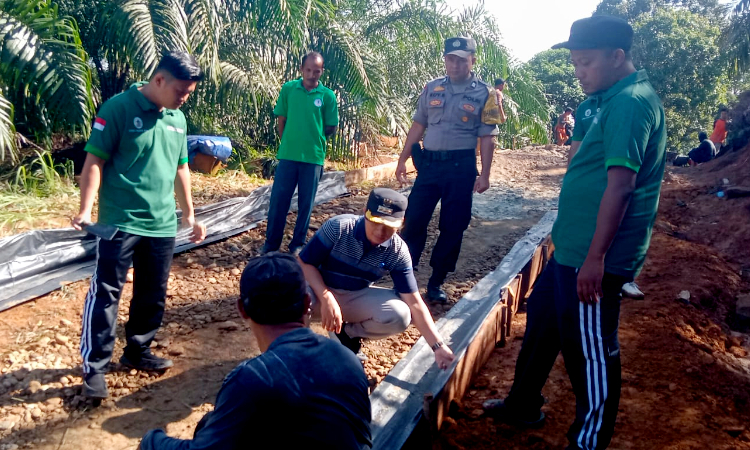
<point x="303" y="391"/>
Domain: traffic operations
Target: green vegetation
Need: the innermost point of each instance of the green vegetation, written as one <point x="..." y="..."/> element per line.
<point x="696" y="52"/>
<point x="379" y="54"/>
<point x="45" y="83"/>
<point x="36" y="194"/>
<point x="555" y="71"/>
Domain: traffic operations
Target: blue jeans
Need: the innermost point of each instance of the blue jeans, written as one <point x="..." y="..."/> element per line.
<point x="291" y="175"/>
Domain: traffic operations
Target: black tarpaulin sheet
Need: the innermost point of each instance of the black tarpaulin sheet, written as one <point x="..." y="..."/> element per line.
<point x="37" y="262"/>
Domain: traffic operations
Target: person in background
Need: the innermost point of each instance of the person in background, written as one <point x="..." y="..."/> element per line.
<point x="564" y="127"/>
<point x="499" y="88"/>
<point x="608" y="204"/>
<point x="307" y="114"/>
<point x="704" y="152"/>
<point x="346" y="256"/>
<point x="302" y="391"/>
<point x="137" y="161"/>
<point x="719" y="135"/>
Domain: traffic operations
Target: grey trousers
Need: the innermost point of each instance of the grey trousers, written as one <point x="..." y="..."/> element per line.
<point x="372" y="313"/>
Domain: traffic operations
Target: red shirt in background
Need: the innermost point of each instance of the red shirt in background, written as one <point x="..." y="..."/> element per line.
<point x="720" y="132"/>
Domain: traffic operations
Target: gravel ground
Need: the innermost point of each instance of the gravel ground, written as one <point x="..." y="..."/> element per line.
<point x="40" y="402"/>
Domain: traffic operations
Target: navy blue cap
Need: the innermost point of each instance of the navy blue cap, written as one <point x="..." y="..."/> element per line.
<point x="460" y="46"/>
<point x="386" y="206"/>
<point x="599" y="31"/>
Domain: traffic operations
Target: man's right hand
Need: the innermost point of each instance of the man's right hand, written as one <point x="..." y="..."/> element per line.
<point x="330" y="313"/>
<point x="401" y="173"/>
<point x="80" y="220"/>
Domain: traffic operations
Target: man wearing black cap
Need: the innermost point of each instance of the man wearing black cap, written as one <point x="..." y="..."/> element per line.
<point x="303" y="391"/>
<point x="607" y="208"/>
<point x="347" y="255"/>
<point x="454" y="111"/>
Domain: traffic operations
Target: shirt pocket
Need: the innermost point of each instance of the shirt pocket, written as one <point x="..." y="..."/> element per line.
<point x="467" y="114"/>
<point x="435" y="108"/>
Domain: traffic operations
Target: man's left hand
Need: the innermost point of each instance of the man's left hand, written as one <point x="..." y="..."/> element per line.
<point x="482" y="183"/>
<point x="590" y="280"/>
<point x="199" y="230"/>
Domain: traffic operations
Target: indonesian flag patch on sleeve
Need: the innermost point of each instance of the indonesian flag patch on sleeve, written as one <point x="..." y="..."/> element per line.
<point x="99" y="124"/>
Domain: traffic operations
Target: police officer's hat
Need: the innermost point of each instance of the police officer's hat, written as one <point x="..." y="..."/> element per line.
<point x="600" y="31"/>
<point x="460" y="46"/>
<point x="386" y="206"/>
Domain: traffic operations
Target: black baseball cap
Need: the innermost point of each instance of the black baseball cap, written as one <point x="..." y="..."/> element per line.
<point x="460" y="46"/>
<point x="599" y="31"/>
<point x="273" y="289"/>
<point x="386" y="206"/>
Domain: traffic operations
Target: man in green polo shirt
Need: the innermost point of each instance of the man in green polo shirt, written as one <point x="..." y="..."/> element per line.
<point x="607" y="208"/>
<point x="137" y="161"/>
<point x="585" y="113"/>
<point x="307" y="114"/>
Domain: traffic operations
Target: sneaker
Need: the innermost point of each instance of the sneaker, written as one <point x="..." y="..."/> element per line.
<point x="95" y="386"/>
<point x="631" y="290"/>
<point x="496" y="408"/>
<point x="147" y="361"/>
<point x="436" y="294"/>
<point x="295" y="251"/>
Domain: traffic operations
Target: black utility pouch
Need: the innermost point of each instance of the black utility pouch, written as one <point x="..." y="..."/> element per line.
<point x="417" y="155"/>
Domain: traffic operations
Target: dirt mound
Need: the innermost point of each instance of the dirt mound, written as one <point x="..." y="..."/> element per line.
<point x="686" y="372"/>
<point x="691" y="208"/>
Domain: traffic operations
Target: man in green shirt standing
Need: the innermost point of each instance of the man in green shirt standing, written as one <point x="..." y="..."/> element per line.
<point x="137" y="160"/>
<point x="307" y="114"/>
<point x="607" y="208"/>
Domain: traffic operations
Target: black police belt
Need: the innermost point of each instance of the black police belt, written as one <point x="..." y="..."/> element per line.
<point x="447" y="155"/>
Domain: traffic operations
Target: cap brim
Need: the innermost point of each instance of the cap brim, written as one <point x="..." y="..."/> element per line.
<point x="570" y="45"/>
<point x="387" y="221"/>
<point x="460" y="53"/>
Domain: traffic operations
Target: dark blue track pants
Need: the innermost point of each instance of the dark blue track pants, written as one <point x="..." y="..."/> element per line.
<point x="587" y="336"/>
<point x="151" y="258"/>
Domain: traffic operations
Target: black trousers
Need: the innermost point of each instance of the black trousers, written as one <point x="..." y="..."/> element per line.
<point x="151" y="258"/>
<point x="450" y="181"/>
<point x="587" y="336"/>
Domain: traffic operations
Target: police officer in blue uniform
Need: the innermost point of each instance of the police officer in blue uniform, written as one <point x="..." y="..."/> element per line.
<point x="452" y="112"/>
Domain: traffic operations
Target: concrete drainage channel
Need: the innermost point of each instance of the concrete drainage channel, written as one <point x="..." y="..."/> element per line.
<point x="409" y="405"/>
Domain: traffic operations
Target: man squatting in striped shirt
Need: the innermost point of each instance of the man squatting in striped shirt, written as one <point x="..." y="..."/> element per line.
<point x="346" y="256"/>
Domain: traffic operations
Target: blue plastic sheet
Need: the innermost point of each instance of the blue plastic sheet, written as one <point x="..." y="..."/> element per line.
<point x="217" y="146"/>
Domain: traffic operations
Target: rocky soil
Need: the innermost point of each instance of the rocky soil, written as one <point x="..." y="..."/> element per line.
<point x="40" y="402"/>
<point x="686" y="371"/>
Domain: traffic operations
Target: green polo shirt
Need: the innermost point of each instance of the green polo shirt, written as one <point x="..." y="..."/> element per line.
<point x="142" y="147"/>
<point x="307" y="114"/>
<point x="585" y="114"/>
<point x="628" y="131"/>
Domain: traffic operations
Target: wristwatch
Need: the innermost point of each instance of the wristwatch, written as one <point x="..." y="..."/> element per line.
<point x="437" y="345"/>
